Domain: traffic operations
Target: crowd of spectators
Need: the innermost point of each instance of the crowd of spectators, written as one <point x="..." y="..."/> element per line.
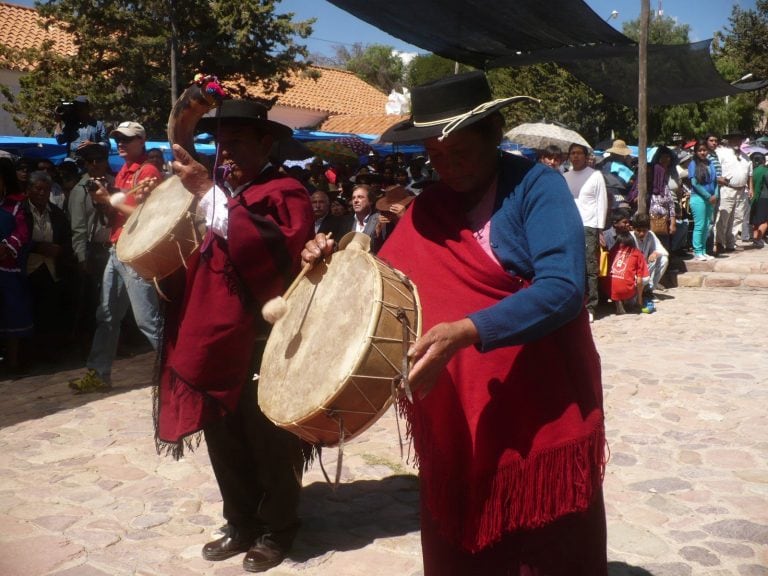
<point x="705" y="199"/>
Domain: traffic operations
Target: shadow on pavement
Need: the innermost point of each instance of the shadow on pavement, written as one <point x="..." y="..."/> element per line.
<point x="355" y="514"/>
<point x="44" y="390"/>
<point x="624" y="569"/>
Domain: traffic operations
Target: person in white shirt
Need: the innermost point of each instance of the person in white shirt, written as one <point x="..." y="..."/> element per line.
<point x="656" y="256"/>
<point x="588" y="188"/>
<point x="735" y="193"/>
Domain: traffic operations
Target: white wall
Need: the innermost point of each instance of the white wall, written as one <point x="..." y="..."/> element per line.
<point x="7" y="127"/>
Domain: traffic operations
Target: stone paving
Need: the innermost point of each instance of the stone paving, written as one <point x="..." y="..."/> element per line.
<point x="82" y="492"/>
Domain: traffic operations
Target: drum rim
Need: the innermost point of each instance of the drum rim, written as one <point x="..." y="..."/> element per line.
<point x="364" y="348"/>
<point x="185" y="214"/>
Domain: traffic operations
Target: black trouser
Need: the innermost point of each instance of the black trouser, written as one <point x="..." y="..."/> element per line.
<point x="258" y="467"/>
<point x="591" y="244"/>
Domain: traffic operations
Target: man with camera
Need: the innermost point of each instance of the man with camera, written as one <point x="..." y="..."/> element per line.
<point x="76" y="128"/>
<point x="121" y="285"/>
<point x="90" y="233"/>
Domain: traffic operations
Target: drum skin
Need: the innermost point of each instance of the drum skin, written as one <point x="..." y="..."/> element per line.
<point x="330" y="361"/>
<point x="160" y="234"/>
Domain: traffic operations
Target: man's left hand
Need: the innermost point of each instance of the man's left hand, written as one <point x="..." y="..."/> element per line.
<point x="431" y="353"/>
<point x="194" y="176"/>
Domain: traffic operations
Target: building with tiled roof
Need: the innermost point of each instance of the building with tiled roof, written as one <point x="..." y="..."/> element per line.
<point x="320" y="95"/>
<point x="22" y="29"/>
<point x="369" y="124"/>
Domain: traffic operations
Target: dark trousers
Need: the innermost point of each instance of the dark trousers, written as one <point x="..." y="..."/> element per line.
<point x="258" y="467"/>
<point x="591" y="244"/>
<point x="573" y="545"/>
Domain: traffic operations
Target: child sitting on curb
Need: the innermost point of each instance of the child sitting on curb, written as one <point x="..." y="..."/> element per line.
<point x="628" y="273"/>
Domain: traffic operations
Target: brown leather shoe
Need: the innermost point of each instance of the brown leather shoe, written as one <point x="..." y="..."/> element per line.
<point x="266" y="553"/>
<point x="231" y="544"/>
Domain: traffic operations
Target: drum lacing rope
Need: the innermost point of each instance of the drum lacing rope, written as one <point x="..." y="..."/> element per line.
<point x="401" y="380"/>
<point x="340" y="457"/>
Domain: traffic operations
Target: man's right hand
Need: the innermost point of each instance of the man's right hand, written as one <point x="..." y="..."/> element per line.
<point x="316" y="249"/>
<point x="194" y="176"/>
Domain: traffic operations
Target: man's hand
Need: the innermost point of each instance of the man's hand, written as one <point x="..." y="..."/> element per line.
<point x="144" y="188"/>
<point x="316" y="249"/>
<point x="193" y="175"/>
<point x="84" y="143"/>
<point x="653" y="256"/>
<point x="100" y="195"/>
<point x="431" y="353"/>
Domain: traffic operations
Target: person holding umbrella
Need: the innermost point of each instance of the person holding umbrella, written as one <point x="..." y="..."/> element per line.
<point x="510" y="443"/>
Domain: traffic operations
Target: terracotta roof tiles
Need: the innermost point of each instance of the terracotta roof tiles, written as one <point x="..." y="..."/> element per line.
<point x="329" y="90"/>
<point x="22" y="29"/>
<point x="370" y="124"/>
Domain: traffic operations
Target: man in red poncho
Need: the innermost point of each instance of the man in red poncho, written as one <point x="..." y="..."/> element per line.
<point x="507" y="421"/>
<point x="214" y="335"/>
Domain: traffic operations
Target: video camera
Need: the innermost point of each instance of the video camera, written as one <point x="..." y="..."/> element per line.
<point x="67" y="110"/>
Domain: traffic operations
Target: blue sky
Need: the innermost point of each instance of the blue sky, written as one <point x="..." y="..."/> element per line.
<point x="334" y="26"/>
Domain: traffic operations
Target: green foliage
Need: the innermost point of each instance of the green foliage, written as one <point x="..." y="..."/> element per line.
<point x="123" y="55"/>
<point x="661" y="30"/>
<point x="429" y="67"/>
<point x="564" y="99"/>
<point x="376" y="64"/>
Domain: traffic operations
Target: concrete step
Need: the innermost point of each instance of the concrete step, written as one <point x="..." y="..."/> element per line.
<point x="746" y="268"/>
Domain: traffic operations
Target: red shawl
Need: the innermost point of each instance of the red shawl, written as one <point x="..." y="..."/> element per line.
<point x="211" y="332"/>
<point x="508" y="439"/>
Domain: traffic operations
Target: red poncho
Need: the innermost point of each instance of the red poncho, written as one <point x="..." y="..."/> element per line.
<point x="210" y="333"/>
<point x="508" y="439"/>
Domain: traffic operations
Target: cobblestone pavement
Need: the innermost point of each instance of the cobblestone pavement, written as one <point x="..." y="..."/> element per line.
<point x="82" y="492"/>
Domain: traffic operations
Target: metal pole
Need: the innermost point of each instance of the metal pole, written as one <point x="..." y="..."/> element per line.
<point x="642" y="109"/>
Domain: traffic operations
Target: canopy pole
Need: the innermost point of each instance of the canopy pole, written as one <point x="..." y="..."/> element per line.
<point x="642" y="109"/>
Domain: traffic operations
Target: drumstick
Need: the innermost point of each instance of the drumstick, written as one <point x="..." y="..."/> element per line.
<point x="276" y="308"/>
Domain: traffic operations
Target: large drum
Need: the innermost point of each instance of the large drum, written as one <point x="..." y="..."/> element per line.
<point x="330" y="362"/>
<point x="161" y="233"/>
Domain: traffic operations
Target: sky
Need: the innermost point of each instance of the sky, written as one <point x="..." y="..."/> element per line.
<point x="334" y="26"/>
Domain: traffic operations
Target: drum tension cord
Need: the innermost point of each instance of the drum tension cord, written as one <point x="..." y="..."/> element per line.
<point x="333" y="414"/>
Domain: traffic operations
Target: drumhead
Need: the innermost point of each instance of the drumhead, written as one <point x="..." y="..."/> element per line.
<point x="320" y="341"/>
<point x="154" y="220"/>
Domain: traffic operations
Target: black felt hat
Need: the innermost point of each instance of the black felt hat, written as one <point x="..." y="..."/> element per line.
<point x="445" y="105"/>
<point x="242" y="111"/>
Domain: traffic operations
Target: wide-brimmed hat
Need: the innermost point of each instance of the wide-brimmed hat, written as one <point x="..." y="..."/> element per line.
<point x="445" y="105"/>
<point x="242" y="111"/>
<point x="394" y="194"/>
<point x="129" y="130"/>
<point x="619" y="148"/>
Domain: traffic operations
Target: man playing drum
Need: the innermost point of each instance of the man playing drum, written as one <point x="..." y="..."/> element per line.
<point x="507" y="420"/>
<point x="121" y="286"/>
<point x="214" y="335"/>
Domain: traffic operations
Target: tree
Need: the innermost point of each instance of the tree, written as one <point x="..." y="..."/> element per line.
<point x="377" y="64"/>
<point x="564" y="99"/>
<point x="429" y="67"/>
<point x="661" y="30"/>
<point x="122" y="61"/>
<point x="742" y="48"/>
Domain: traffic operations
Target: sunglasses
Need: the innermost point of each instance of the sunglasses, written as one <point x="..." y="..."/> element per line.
<point x="124" y="139"/>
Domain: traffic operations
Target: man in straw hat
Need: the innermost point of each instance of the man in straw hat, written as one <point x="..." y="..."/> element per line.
<point x="507" y="418"/>
<point x="213" y="339"/>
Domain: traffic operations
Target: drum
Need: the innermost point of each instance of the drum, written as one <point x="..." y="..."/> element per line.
<point x="330" y="362"/>
<point x="161" y="233"/>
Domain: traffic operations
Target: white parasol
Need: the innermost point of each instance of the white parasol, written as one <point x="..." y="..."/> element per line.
<point x="539" y="135"/>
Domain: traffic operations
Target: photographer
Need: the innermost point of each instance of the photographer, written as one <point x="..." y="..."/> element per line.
<point x="75" y="127"/>
<point x="90" y="236"/>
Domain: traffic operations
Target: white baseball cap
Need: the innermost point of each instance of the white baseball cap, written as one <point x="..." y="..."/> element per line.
<point x="129" y="129"/>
